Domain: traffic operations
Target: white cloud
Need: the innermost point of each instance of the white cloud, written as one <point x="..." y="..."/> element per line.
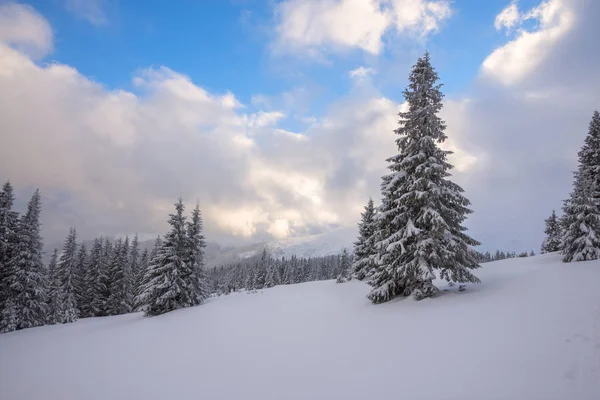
<point x="114" y="161"/>
<point x="280" y="228"/>
<point x="420" y="17"/>
<point x="24" y="28"/>
<point x="508" y="18"/>
<point x="361" y="72"/>
<point x="340" y="25"/>
<point x="343" y="24"/>
<point x="517" y="59"/>
<point x="90" y="10"/>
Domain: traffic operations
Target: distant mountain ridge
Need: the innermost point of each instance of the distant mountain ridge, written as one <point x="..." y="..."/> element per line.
<point x="323" y="244"/>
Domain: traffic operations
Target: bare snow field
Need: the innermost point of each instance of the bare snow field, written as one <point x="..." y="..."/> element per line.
<point x="530" y="331"/>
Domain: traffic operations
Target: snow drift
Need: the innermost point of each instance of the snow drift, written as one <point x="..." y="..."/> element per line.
<point x="531" y="330"/>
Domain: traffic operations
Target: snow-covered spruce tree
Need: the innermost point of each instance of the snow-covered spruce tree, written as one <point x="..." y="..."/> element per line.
<point x="420" y="219"/>
<point x="288" y="273"/>
<point x="143" y="273"/>
<point x="55" y="294"/>
<point x="134" y="268"/>
<point x="95" y="304"/>
<point x="165" y="287"/>
<point x="580" y="241"/>
<point x="260" y="274"/>
<point x="138" y="278"/>
<point x="553" y="234"/>
<point x="119" y="301"/>
<point x="8" y="229"/>
<point x="103" y="282"/>
<point x="66" y="269"/>
<point x="364" y="247"/>
<point x="26" y="281"/>
<point x="344" y="268"/>
<point x="197" y="282"/>
<point x="318" y="272"/>
<point x="82" y="295"/>
<point x="272" y="278"/>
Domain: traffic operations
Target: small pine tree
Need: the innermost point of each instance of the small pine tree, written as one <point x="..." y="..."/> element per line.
<point x="66" y="270"/>
<point x="27" y="282"/>
<point x="250" y="276"/>
<point x="95" y="302"/>
<point x="55" y="294"/>
<point x="103" y="282"/>
<point x="134" y="261"/>
<point x="82" y="295"/>
<point x="364" y="247"/>
<point x="553" y="234"/>
<point x="8" y="231"/>
<point x="118" y="299"/>
<point x="141" y="270"/>
<point x="288" y="274"/>
<point x="260" y="275"/>
<point x="422" y="211"/>
<point x="581" y="240"/>
<point x="272" y="278"/>
<point x="165" y="287"/>
<point x="581" y="212"/>
<point x="197" y="283"/>
<point x="344" y="268"/>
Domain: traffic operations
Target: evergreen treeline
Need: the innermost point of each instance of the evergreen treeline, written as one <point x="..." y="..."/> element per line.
<point x="502" y="255"/>
<point x="256" y="273"/>
<point x="110" y="278"/>
<point x="576" y="234"/>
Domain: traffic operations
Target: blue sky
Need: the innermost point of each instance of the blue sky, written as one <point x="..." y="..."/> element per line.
<point x="278" y="116"/>
<point x="226" y="46"/>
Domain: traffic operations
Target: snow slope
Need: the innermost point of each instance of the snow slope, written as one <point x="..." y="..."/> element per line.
<point x="530" y="331"/>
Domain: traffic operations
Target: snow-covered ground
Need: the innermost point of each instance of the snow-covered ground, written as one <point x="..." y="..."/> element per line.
<point x="530" y="331"/>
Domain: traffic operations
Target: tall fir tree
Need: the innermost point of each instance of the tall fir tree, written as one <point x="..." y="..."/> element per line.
<point x="66" y="270"/>
<point x="581" y="240"/>
<point x="139" y="277"/>
<point x="8" y="231"/>
<point x="103" y="281"/>
<point x="581" y="211"/>
<point x="165" y="288"/>
<point x="147" y="259"/>
<point x="55" y="294"/>
<point x="119" y="301"/>
<point x="197" y="280"/>
<point x="26" y="280"/>
<point x="260" y="276"/>
<point x="250" y="276"/>
<point x="553" y="234"/>
<point x="93" y="282"/>
<point x="272" y="278"/>
<point x="134" y="261"/>
<point x="288" y="273"/>
<point x="422" y="211"/>
<point x="364" y="247"/>
<point x="82" y="295"/>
